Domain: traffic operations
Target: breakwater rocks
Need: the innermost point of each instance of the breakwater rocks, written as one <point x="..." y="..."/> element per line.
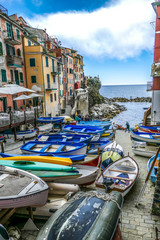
<point x="106" y="110"/>
<point x="137" y="99"/>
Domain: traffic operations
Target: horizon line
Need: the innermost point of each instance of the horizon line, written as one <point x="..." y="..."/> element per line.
<point x="125" y="84"/>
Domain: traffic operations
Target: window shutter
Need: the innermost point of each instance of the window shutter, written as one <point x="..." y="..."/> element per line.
<point x="21" y="76"/>
<point x="32" y="62"/>
<point x="33" y="79"/>
<point x="4" y="77"/>
<point x="1" y="49"/>
<point x="7" y="49"/>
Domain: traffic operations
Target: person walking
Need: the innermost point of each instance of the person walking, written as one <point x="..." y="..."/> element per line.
<point x="127" y="127"/>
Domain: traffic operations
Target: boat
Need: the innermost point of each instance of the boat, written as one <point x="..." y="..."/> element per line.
<point x="20" y="134"/>
<point x="89" y="160"/>
<point x="88" y="215"/>
<point x="100" y="145"/>
<point x="102" y="124"/>
<point x="50" y="119"/>
<point x="20" y="188"/>
<point x="62" y="188"/>
<point x="45" y="128"/>
<point x="3" y="233"/>
<point x="60" y="148"/>
<point x="61" y="176"/>
<point x="52" y="157"/>
<point x="43" y="159"/>
<point x="149" y="129"/>
<point x="36" y="166"/>
<point x="153" y="175"/>
<point x="143" y="149"/>
<point x="145" y="137"/>
<point x="108" y="134"/>
<point x="119" y="176"/>
<point x="1" y="138"/>
<point x="88" y="175"/>
<point x="111" y="153"/>
<point x="63" y="137"/>
<point x="83" y="129"/>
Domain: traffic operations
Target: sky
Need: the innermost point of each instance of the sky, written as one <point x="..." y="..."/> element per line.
<point x="116" y="38"/>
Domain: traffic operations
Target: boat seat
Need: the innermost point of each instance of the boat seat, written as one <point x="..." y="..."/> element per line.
<point x="60" y="148"/>
<point x="45" y="147"/>
<point x="83" y="130"/>
<point x="64" y="140"/>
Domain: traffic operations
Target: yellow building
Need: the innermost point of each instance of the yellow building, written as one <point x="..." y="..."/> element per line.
<point x="42" y="75"/>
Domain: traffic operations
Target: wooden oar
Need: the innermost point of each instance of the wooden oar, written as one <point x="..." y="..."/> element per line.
<point x="146" y="180"/>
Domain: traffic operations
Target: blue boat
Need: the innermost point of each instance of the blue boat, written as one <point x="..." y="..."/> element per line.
<point x="30" y="133"/>
<point x="64" y="137"/>
<point x="150" y="129"/>
<point x="60" y="148"/>
<point x="72" y="157"/>
<point x="146" y="137"/>
<point x="83" y="129"/>
<point x="50" y="119"/>
<point x="153" y="175"/>
<point x="102" y="124"/>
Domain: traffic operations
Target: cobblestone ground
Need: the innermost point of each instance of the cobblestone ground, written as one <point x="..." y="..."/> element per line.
<point x="137" y="223"/>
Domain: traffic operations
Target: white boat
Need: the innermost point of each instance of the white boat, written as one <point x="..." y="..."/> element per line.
<point x="20" y="134"/>
<point x="45" y="128"/>
<point x="19" y="188"/>
<point x="142" y="149"/>
<point x="88" y="175"/>
<point x="122" y="175"/>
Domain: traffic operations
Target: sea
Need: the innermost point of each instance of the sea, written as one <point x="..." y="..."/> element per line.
<point x="135" y="110"/>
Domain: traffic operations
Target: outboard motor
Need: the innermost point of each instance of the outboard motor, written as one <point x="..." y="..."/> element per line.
<point x="107" y="182"/>
<point x="3" y="233"/>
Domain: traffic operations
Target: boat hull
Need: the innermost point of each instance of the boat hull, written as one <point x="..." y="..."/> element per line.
<point x="26" y="134"/>
<point x="85" y="216"/>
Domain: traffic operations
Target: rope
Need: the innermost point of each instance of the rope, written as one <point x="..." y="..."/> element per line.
<point x="100" y="195"/>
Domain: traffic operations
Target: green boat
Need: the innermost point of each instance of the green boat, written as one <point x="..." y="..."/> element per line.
<point x="55" y="175"/>
<point x="36" y="166"/>
<point x="88" y="215"/>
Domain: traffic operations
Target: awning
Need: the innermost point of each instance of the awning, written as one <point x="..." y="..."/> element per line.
<point x="11" y="89"/>
<point x="22" y="97"/>
<point x="33" y="95"/>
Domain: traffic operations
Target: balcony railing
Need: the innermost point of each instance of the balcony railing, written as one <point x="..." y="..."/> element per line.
<point x="54" y="71"/>
<point x="149" y="86"/>
<point x="51" y="87"/>
<point x="14" y="61"/>
<point x="11" y="39"/>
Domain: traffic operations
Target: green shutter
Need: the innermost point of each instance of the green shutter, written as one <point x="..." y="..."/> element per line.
<point x="7" y="49"/>
<point x="13" y="49"/>
<point x="29" y="43"/>
<point x="21" y="76"/>
<point x="4" y="77"/>
<point x="16" y="76"/>
<point x="1" y="49"/>
<point x="18" y="52"/>
<point x="32" y="62"/>
<point x="33" y="79"/>
<point x="46" y="61"/>
<point x="18" y="34"/>
<point x="9" y="33"/>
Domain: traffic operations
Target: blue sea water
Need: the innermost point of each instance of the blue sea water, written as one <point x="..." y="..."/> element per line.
<point x="135" y="110"/>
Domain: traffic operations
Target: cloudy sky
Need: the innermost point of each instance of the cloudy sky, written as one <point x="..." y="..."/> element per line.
<point x="116" y="38"/>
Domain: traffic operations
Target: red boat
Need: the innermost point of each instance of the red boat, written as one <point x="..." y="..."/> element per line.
<point x="89" y="160"/>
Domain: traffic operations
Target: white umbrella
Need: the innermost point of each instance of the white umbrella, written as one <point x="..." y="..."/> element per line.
<point x="22" y="97"/>
<point x="33" y="95"/>
<point x="11" y="89"/>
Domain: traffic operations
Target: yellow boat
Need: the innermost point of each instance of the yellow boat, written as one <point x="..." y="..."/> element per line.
<point x="45" y="159"/>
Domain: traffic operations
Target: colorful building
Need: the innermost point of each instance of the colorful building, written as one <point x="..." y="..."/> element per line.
<point x="12" y="69"/>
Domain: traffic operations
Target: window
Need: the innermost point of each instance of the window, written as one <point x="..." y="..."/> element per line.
<point x="1" y="49"/>
<point x="67" y="80"/>
<point x="33" y="79"/>
<point x="21" y="76"/>
<point x="55" y="97"/>
<point x="19" y="52"/>
<point x="53" y="65"/>
<point x="32" y="62"/>
<point x="9" y="30"/>
<point x="48" y="81"/>
<point x="13" y="51"/>
<point x="29" y="43"/>
<point x="54" y="79"/>
<point x="18" y="34"/>
<point x="47" y="62"/>
<point x="7" y="49"/>
<point x="51" y="98"/>
<point x="70" y="61"/>
<point x="60" y="93"/>
<point x="4" y="77"/>
<point x="67" y="70"/>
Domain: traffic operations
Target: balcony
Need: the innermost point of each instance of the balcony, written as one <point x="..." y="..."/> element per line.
<point x="149" y="86"/>
<point x="51" y="87"/>
<point x="155" y="72"/>
<point x="54" y="71"/>
<point x="11" y="39"/>
<point x="14" y="61"/>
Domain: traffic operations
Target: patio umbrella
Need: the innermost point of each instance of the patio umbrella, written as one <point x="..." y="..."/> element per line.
<point x="11" y="89"/>
<point x="22" y="97"/>
<point x="33" y="95"/>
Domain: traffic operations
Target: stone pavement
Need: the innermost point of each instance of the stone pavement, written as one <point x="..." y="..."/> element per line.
<point x="137" y="223"/>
